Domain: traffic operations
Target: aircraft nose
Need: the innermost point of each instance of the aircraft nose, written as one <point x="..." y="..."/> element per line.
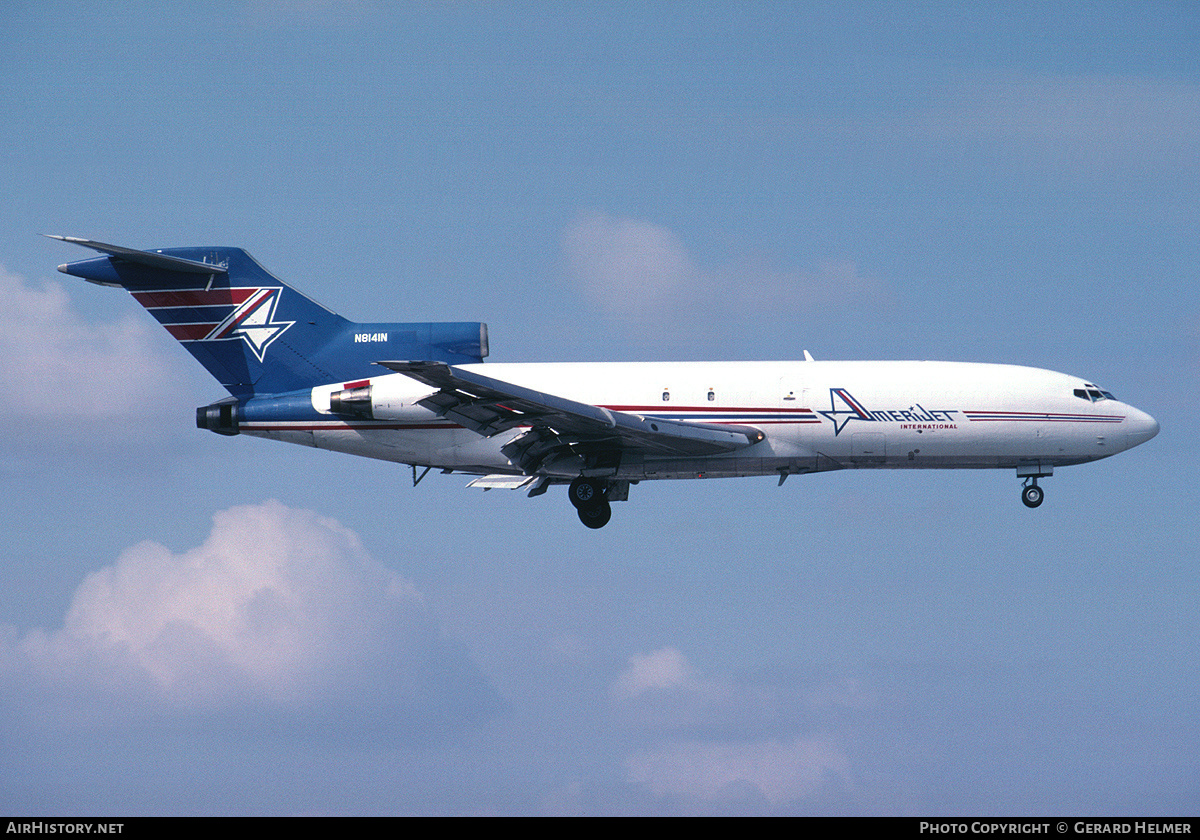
<point x="1141" y="427"/>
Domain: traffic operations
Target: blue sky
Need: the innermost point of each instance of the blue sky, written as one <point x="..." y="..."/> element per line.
<point x="195" y="624"/>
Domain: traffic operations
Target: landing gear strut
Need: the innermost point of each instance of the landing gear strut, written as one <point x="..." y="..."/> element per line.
<point x="590" y="498"/>
<point x="1031" y="494"/>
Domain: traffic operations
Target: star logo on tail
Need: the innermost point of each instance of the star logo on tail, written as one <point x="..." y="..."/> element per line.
<point x="253" y="321"/>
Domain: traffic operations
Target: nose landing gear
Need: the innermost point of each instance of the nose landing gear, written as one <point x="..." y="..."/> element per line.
<point x="1031" y="494"/>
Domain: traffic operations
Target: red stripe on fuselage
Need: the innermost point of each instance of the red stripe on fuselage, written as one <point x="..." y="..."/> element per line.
<point x="669" y="409"/>
<point x="334" y="426"/>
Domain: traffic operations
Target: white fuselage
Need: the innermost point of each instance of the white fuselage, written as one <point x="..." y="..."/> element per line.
<point x="815" y="416"/>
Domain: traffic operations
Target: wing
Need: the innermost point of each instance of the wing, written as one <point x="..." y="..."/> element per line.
<point x="559" y="427"/>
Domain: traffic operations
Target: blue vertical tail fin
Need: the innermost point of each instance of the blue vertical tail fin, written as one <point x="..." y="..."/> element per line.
<point x="255" y="333"/>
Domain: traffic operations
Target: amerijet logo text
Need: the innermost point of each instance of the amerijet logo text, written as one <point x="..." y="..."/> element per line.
<point x="843" y="408"/>
<point x="238" y="313"/>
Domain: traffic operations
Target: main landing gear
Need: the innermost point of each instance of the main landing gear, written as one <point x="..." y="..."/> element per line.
<point x="590" y="498"/>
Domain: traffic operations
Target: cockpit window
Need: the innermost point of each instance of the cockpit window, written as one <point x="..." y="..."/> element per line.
<point x="1091" y="393"/>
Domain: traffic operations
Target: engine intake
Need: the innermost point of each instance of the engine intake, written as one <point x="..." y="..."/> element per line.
<point x="355" y="402"/>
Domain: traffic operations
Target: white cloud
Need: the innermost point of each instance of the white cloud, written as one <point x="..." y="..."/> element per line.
<point x="657" y="671"/>
<point x="630" y="265"/>
<point x="642" y="272"/>
<point x="722" y="760"/>
<point x="662" y="691"/>
<point x="779" y="771"/>
<point x="56" y="365"/>
<point x="279" y="610"/>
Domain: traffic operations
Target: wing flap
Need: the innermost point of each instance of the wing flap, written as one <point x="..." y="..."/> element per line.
<point x="502" y="482"/>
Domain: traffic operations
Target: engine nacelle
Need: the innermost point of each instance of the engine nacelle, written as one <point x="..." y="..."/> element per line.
<point x="353" y="402"/>
<point x="392" y="397"/>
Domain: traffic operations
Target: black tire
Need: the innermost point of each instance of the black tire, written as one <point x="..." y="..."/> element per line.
<point x="596" y="516"/>
<point x="585" y="493"/>
<point x="1032" y="496"/>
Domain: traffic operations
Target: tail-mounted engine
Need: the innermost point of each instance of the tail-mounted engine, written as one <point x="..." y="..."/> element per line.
<point x="384" y="398"/>
<point x="220" y="417"/>
<point x="353" y="402"/>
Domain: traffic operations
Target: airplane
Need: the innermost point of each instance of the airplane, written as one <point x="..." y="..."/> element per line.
<point x="420" y="394"/>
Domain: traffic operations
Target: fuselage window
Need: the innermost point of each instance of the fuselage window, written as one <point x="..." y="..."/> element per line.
<point x="711" y="395"/>
<point x="666" y="396"/>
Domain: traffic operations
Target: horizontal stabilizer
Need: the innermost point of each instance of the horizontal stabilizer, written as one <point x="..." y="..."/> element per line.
<point x="147" y="258"/>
